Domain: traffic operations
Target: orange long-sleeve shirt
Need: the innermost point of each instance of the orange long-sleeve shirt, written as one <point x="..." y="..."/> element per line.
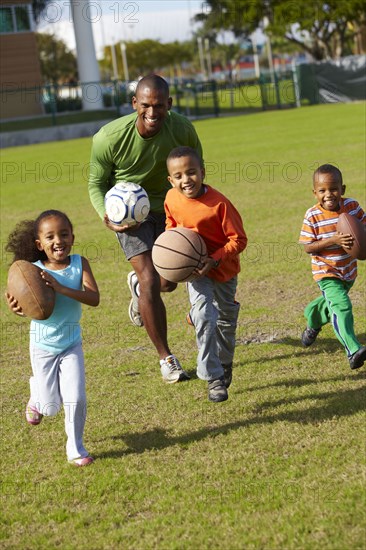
<point x="218" y="222"/>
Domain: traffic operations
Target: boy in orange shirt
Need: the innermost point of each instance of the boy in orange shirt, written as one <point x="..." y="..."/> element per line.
<point x="214" y="311"/>
<point x="333" y="269"/>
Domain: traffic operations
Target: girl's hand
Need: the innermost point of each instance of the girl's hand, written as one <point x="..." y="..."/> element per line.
<point x="88" y="294"/>
<point x="13" y="305"/>
<point x="51" y="281"/>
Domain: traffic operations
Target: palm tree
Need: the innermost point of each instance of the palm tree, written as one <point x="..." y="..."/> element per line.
<point x="38" y="7"/>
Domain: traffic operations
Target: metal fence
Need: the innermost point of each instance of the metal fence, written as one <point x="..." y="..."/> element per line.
<point x="332" y="81"/>
<point x="306" y="84"/>
<point x="193" y="99"/>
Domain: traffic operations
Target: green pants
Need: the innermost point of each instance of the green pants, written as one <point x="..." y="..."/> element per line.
<point x="334" y="306"/>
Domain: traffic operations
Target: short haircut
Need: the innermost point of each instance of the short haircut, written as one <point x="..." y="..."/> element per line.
<point x="154" y="82"/>
<point x="328" y="169"/>
<point x="184" y="151"/>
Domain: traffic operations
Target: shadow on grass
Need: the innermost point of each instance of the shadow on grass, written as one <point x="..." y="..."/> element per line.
<point x="339" y="403"/>
<point x="360" y="375"/>
<point x="327" y="345"/>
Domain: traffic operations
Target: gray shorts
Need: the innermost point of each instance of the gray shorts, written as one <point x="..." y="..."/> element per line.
<point x="139" y="240"/>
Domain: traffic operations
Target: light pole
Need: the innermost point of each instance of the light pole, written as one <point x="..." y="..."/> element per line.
<point x="124" y="62"/>
<point x="92" y="97"/>
<point x="256" y="58"/>
<point x="208" y="58"/>
<point x="114" y="61"/>
<point x="269" y="49"/>
<point x="202" y="61"/>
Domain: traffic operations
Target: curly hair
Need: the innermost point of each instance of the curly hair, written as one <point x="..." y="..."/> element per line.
<point x="22" y="240"/>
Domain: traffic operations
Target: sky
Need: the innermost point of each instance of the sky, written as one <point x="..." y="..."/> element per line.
<point x="112" y="21"/>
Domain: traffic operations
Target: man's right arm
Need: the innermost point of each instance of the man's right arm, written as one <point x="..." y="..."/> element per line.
<point x="101" y="163"/>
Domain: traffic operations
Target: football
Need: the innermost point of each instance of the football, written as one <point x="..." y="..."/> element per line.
<point x="351" y="225"/>
<point x="25" y="283"/>
<point x="126" y="204"/>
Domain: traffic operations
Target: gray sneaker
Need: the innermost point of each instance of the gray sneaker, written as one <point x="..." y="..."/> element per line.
<point x="172" y="371"/>
<point x="217" y="391"/>
<point x="309" y="335"/>
<point x="133" y="308"/>
<point x="228" y="374"/>
<point x="357" y="359"/>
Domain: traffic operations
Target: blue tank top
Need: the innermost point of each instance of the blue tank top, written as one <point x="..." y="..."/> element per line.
<point x="62" y="329"/>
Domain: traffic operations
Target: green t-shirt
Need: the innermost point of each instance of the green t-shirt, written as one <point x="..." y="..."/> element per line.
<point x="119" y="153"/>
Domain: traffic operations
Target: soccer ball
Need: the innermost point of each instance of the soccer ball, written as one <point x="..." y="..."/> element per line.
<point x="126" y="203"/>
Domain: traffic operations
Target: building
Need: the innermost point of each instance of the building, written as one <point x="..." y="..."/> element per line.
<point x="20" y="69"/>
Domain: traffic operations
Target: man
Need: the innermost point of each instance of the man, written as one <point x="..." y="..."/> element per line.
<point x="134" y="148"/>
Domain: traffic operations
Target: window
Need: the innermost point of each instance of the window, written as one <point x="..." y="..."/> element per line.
<point x="6" y="20"/>
<point x="22" y="18"/>
<point x="15" y="19"/>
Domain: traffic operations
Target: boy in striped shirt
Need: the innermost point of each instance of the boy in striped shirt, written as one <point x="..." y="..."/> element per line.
<point x="333" y="269"/>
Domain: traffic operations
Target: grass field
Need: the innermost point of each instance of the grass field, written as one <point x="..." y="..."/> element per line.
<point x="281" y="464"/>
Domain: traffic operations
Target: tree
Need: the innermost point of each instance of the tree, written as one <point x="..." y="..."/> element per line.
<point x="147" y="56"/>
<point x="38" y="6"/>
<point x="58" y="64"/>
<point x="322" y="28"/>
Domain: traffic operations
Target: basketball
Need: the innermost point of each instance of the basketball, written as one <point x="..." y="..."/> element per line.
<point x="25" y="283"/>
<point x="348" y="224"/>
<point x="177" y="253"/>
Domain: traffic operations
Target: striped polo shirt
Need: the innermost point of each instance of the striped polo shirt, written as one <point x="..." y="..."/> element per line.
<point x="321" y="224"/>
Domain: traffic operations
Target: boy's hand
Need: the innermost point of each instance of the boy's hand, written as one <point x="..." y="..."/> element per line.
<point x="345" y="240"/>
<point x="208" y="264"/>
<point x="118" y="228"/>
<point x="13" y="305"/>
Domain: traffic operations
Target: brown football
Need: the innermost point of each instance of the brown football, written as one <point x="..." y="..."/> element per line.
<point x="36" y="299"/>
<point x="352" y="225"/>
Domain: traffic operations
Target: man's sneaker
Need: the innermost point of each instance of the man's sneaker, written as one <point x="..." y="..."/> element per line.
<point x="172" y="371"/>
<point x="309" y="336"/>
<point x="217" y="390"/>
<point x="228" y="374"/>
<point x="33" y="416"/>
<point x="357" y="359"/>
<point x="133" y="308"/>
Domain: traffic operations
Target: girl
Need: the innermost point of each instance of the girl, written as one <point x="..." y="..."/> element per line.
<point x="55" y="344"/>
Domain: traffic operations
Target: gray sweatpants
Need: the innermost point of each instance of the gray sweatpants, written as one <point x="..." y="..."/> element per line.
<point x="60" y="379"/>
<point x="214" y="313"/>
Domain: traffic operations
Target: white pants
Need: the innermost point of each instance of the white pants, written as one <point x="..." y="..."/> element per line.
<point x="60" y="379"/>
<point x="214" y="313"/>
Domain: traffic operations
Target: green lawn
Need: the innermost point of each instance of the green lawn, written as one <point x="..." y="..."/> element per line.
<point x="280" y="465"/>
